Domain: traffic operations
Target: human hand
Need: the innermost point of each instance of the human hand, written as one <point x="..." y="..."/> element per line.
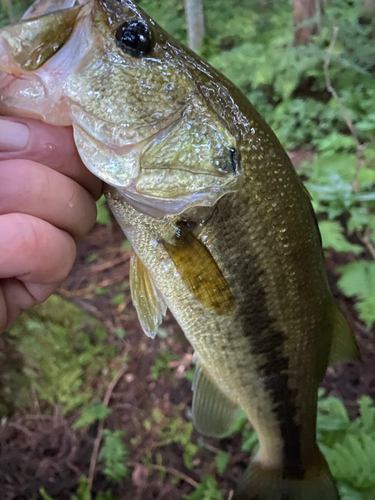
<point x="46" y="204"/>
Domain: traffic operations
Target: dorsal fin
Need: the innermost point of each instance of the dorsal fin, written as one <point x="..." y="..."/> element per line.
<point x="213" y="413"/>
<point x="146" y="297"/>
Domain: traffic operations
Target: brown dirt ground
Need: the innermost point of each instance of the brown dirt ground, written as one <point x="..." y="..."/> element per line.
<point x="41" y="451"/>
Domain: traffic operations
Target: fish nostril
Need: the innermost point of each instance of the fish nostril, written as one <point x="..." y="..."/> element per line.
<point x="233" y="159"/>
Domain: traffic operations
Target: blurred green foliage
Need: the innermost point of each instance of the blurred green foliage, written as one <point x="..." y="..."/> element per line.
<point x="179" y="431"/>
<point x="63" y="352"/>
<point x="114" y="455"/>
<point x="161" y="366"/>
<point x="206" y="490"/>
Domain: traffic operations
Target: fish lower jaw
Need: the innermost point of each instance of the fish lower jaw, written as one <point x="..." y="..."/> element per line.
<point x="160" y="207"/>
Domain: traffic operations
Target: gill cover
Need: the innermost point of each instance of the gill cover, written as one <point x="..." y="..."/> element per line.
<point x="140" y="122"/>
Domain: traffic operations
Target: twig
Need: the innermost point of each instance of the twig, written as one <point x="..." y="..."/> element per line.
<point x="333" y="92"/>
<point x="35" y="399"/>
<point x="91" y="288"/>
<point x="344" y="113"/>
<point x="21" y="428"/>
<point x="112" y="263"/>
<point x="211" y="448"/>
<point x="99" y="435"/>
<point x="35" y="417"/>
<point x="367" y="242"/>
<point x="170" y="470"/>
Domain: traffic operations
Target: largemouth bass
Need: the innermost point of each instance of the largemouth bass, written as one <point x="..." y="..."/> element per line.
<point x="222" y="229"/>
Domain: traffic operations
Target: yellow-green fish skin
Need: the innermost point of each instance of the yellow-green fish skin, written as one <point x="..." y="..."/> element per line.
<point x="268" y="347"/>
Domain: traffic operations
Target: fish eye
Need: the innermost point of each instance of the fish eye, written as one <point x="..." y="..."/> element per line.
<point x="134" y="38"/>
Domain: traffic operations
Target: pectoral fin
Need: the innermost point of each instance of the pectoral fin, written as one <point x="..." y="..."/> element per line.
<point x="343" y="346"/>
<point x="213" y="413"/>
<point x="147" y="299"/>
<point x="200" y="272"/>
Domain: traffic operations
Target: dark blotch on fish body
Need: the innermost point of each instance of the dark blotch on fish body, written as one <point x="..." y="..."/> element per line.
<point x="267" y="342"/>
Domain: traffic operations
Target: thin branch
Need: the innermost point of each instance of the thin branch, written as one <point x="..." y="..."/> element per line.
<point x="99" y="435"/>
<point x="169" y="470"/>
<point x="96" y="268"/>
<point x="367" y="242"/>
<point x="21" y="428"/>
<point x="333" y="92"/>
<point x="343" y="111"/>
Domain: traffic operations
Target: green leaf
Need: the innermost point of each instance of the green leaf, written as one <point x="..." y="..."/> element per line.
<point x="221" y="461"/>
<point x="366" y="178"/>
<point x="114" y="455"/>
<point x="44" y="494"/>
<point x="103" y="216"/>
<point x="324" y="166"/>
<point x="358" y="278"/>
<point x="118" y="299"/>
<point x="206" y="490"/>
<point x="91" y="415"/>
<point x="348" y="493"/>
<point x="120" y="332"/>
<point x="179" y="431"/>
<point x="126" y="246"/>
<point x="250" y="440"/>
<point x="333" y="237"/>
<point x="353" y="461"/>
<point x="366" y="309"/>
<point x="83" y="491"/>
<point x="359" y="219"/>
<point x="161" y="333"/>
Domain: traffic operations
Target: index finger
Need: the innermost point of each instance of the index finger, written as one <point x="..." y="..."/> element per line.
<point x="52" y="146"/>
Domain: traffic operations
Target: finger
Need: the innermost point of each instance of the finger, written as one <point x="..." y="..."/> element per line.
<point x="31" y="188"/>
<point x="33" y="250"/>
<point x="52" y="146"/>
<point x="16" y="296"/>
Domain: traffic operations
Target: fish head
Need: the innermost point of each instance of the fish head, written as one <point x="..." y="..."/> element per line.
<point x="140" y="122"/>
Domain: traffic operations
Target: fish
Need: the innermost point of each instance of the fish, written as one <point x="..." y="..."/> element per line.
<point x="222" y="229"/>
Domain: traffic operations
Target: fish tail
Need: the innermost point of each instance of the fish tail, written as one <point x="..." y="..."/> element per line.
<point x="259" y="483"/>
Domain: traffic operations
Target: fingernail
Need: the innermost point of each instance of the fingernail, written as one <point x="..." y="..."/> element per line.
<point x="14" y="136"/>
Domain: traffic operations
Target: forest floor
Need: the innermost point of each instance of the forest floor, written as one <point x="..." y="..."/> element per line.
<point x="40" y="449"/>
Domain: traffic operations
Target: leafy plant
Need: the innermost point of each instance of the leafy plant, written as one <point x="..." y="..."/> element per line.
<point x="221" y="461"/>
<point x="63" y="350"/>
<point x="103" y="213"/>
<point x="206" y="490"/>
<point x="83" y="492"/>
<point x="91" y="414"/>
<point x="162" y="361"/>
<point x="349" y="446"/>
<point x="179" y="431"/>
<point x="114" y="455"/>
